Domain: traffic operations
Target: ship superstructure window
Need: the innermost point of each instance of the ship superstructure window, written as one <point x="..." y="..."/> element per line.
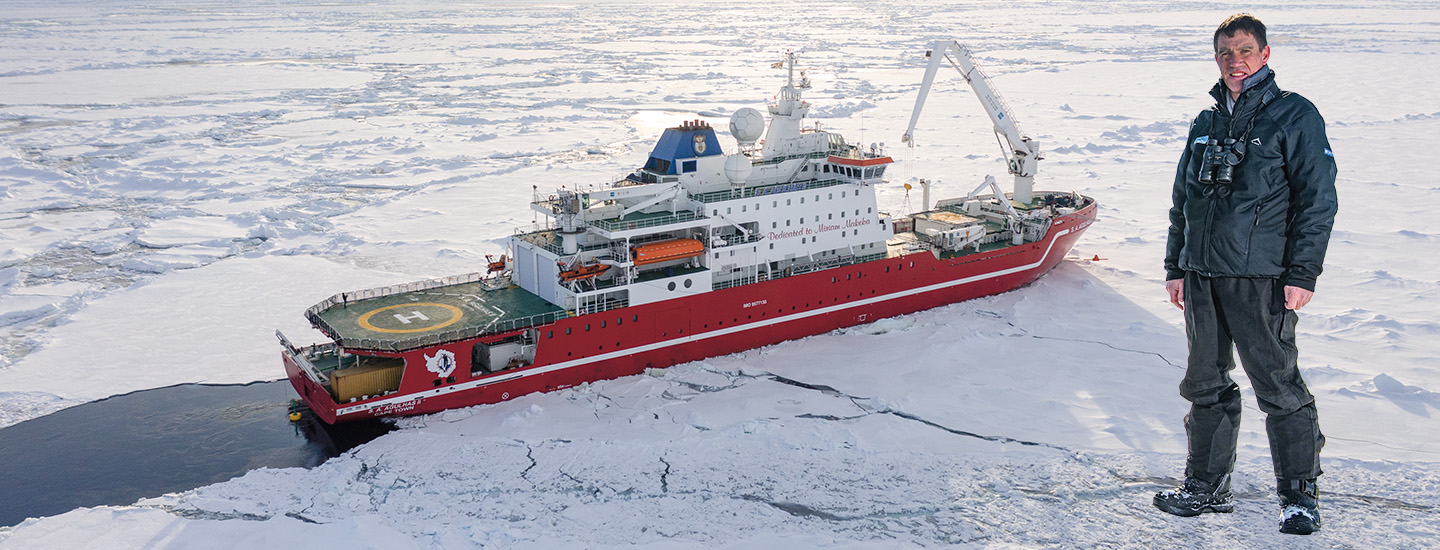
<point x="687" y="166"/>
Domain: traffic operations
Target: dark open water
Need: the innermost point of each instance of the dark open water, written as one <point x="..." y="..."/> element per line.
<point x="151" y="442"/>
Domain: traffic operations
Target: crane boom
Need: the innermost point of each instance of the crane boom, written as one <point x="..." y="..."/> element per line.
<point x="1024" y="152"/>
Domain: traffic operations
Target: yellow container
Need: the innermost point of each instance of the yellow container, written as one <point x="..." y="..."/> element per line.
<point x="372" y="378"/>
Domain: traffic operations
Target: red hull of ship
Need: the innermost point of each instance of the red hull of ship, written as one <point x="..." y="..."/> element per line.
<point x="627" y="341"/>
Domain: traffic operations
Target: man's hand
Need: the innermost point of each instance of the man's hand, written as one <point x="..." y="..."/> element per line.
<point x="1295" y="297"/>
<point x="1176" y="288"/>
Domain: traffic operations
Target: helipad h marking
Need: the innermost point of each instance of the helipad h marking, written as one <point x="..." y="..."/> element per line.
<point x="455" y="315"/>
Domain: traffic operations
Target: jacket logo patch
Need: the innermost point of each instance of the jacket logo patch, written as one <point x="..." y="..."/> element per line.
<point x="1255" y="141"/>
<point x="1202" y="139"/>
<point x="1329" y="153"/>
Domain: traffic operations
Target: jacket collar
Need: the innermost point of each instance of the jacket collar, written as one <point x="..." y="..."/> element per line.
<point x="1259" y="90"/>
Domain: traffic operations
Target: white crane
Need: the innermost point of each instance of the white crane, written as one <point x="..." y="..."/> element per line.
<point x="1024" y="152"/>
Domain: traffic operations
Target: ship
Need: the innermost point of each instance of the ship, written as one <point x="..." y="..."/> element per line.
<point x="700" y="252"/>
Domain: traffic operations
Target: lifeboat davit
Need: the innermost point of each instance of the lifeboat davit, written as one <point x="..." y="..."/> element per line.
<point x="583" y="272"/>
<point x="662" y="251"/>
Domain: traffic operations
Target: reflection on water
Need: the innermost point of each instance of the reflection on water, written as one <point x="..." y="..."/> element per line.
<point x="151" y="442"/>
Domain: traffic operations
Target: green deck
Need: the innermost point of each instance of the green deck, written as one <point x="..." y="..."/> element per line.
<point x="407" y="320"/>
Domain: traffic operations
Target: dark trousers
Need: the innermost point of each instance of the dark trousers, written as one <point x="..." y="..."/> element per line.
<point x="1249" y="316"/>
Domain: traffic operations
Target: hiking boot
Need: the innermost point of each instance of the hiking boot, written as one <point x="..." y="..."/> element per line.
<point x="1299" y="507"/>
<point x="1197" y="497"/>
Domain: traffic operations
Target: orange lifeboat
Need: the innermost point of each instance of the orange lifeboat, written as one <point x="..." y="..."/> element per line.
<point x="667" y="250"/>
<point x="583" y="272"/>
<point x="495" y="265"/>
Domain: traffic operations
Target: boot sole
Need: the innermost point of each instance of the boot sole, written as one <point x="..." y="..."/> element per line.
<point x="1187" y="512"/>
<point x="1302" y="529"/>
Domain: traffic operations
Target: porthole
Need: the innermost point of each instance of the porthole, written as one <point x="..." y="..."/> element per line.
<point x="671" y="286"/>
<point x="687" y="283"/>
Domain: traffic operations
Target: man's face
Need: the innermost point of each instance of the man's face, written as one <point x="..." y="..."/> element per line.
<point x="1239" y="56"/>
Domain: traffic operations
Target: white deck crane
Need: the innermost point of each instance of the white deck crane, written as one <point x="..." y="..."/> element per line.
<point x="1024" y="152"/>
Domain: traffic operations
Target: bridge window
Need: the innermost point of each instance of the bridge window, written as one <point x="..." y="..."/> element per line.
<point x="687" y="166"/>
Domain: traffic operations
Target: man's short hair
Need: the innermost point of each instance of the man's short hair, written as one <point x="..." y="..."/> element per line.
<point x="1241" y="22"/>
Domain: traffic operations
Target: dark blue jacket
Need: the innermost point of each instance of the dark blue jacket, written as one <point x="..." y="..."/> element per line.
<point x="1274" y="219"/>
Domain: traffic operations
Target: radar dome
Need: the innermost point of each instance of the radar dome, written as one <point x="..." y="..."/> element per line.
<point x="737" y="168"/>
<point x="747" y="125"/>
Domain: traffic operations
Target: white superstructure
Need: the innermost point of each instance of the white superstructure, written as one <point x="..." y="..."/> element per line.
<point x="695" y="219"/>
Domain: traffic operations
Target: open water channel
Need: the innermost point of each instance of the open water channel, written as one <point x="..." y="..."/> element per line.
<point x="152" y="442"/>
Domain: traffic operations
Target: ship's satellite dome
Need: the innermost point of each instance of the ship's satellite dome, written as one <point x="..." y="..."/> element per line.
<point x="737" y="168"/>
<point x="747" y="125"/>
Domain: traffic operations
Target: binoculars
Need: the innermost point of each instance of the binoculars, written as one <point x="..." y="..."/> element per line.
<point x="1221" y="156"/>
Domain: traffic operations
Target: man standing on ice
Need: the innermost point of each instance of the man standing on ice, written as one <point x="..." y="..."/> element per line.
<point x="1254" y="201"/>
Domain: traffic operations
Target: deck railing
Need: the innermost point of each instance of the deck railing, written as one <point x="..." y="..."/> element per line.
<point x="456" y="335"/>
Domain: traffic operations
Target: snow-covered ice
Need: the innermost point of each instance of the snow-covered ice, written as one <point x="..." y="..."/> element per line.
<point x="180" y="178"/>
